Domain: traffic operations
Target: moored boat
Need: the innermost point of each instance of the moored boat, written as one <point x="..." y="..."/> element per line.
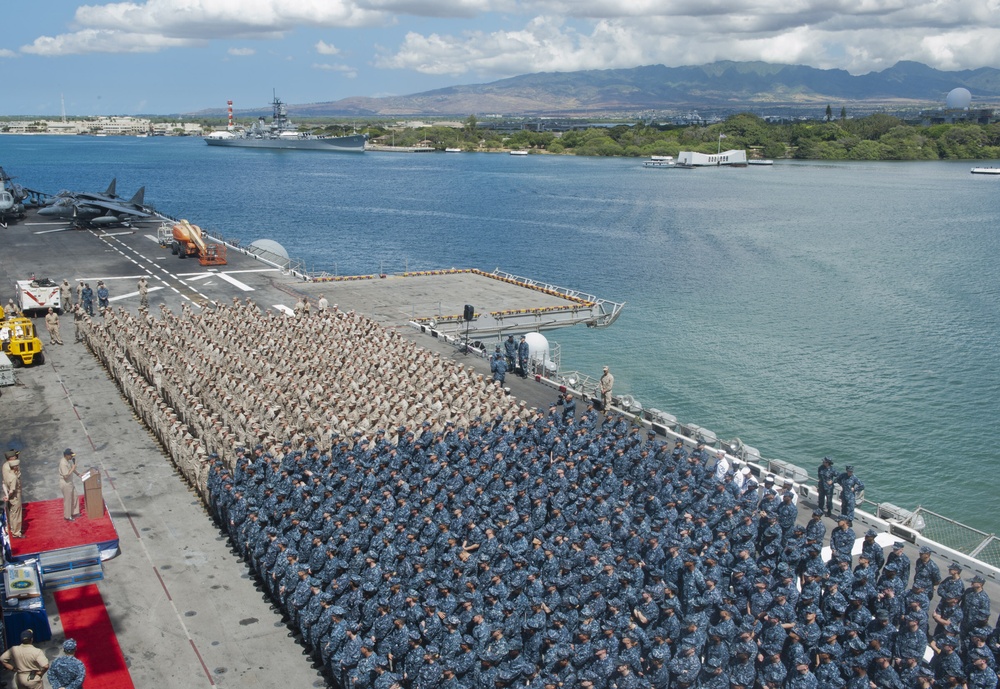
<point x="986" y="170"/>
<point x="659" y="162"/>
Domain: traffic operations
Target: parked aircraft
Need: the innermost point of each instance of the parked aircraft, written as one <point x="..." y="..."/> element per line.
<point x="89" y="209"/>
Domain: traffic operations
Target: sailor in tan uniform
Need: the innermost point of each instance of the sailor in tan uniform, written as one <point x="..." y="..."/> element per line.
<point x="28" y="663"/>
<point x="52" y="326"/>
<point x="12" y="495"/>
<point x="66" y="295"/>
<point x="67" y="469"/>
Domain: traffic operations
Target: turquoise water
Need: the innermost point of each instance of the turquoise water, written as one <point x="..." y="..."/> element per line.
<point x="810" y="309"/>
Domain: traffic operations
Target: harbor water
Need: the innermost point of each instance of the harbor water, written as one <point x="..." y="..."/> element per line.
<point x="810" y="309"/>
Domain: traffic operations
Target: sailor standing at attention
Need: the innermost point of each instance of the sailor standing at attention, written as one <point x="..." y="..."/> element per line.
<point x="607" y="382"/>
<point x="143" y="287"/>
<point x="52" y="325"/>
<point x="66" y="295"/>
<point x="827" y="478"/>
<point x="67" y="468"/>
<point x="12" y="495"/>
<point x="102" y="295"/>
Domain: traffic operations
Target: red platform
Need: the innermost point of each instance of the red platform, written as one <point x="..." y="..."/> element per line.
<point x="45" y="529"/>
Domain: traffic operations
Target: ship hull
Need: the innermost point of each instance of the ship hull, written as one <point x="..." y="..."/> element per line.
<point x="340" y="144"/>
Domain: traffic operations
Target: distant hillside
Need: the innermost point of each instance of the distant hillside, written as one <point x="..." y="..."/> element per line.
<point x="656" y="87"/>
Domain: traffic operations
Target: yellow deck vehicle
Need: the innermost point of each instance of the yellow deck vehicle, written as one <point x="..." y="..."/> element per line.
<point x="17" y="337"/>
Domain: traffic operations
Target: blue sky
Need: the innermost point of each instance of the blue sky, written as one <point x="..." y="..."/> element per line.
<point x="177" y="56"/>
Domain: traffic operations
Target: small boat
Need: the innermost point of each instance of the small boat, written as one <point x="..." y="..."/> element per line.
<point x="659" y="161"/>
<point x="760" y="161"/>
<point x="519" y="153"/>
<point x="453" y="150"/>
<point x="986" y="170"/>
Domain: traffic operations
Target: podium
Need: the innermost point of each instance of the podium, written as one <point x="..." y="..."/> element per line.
<point x="93" y="497"/>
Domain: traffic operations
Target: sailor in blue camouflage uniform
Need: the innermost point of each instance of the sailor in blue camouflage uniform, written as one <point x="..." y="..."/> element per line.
<point x="772" y="670"/>
<point x="510" y="352"/>
<point x="873" y="551"/>
<point x="899" y="561"/>
<point x="850" y="488"/>
<point x="498" y="366"/>
<point x="815" y="528"/>
<point x="947" y="662"/>
<point x="842" y="538"/>
<point x="686" y="666"/>
<point x="713" y="675"/>
<point x="827" y="477"/>
<point x="975" y="604"/>
<point x="926" y="571"/>
<point x="828" y="673"/>
<point x="911" y="640"/>
<point x="884" y="675"/>
<point x="801" y="677"/>
<point x="522" y="356"/>
<point x="981" y="675"/>
<point x="952" y="586"/>
<point x="66" y="671"/>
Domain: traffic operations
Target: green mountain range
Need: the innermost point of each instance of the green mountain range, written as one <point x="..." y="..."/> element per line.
<point x="656" y="87"/>
<point x="719" y="85"/>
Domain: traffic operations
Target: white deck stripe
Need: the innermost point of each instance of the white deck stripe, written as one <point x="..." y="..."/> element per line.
<point x="236" y="283"/>
<point x="134" y="294"/>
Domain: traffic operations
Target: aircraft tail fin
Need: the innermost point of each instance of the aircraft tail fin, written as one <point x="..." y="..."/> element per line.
<point x="111" y="187"/>
<point x="139" y="197"/>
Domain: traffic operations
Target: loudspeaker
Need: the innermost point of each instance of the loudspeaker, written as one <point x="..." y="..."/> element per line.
<point x="470" y="312"/>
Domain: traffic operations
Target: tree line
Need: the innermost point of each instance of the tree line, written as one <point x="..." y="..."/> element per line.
<point x="874" y="137"/>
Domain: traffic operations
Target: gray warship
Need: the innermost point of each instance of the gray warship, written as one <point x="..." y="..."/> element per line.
<point x="280" y="133"/>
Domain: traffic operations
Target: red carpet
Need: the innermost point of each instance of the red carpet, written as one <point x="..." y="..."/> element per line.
<point x="85" y="619"/>
<point x="45" y="529"/>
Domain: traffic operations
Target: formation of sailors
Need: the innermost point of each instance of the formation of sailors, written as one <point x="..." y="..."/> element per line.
<point x="484" y="544"/>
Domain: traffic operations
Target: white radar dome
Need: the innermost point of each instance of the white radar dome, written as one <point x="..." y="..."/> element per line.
<point x="958" y="99"/>
<point x="270" y="250"/>
<point x="538" y="348"/>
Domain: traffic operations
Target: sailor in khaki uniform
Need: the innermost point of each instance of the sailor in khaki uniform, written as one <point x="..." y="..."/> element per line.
<point x="66" y="295"/>
<point x="27" y="663"/>
<point x="67" y="468"/>
<point x="12" y="495"/>
<point x="52" y="326"/>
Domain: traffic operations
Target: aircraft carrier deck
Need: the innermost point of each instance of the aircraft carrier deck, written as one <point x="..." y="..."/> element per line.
<point x="184" y="608"/>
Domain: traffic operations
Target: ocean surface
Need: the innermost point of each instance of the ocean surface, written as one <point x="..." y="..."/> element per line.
<point x="810" y="309"/>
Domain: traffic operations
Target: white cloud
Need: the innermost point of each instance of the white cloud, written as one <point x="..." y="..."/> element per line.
<point x="560" y="35"/>
<point x="219" y="18"/>
<point x="102" y="41"/>
<point x="856" y="35"/>
<point x="439" y="8"/>
<point x="157" y="24"/>
<point x="347" y="71"/>
<point x="327" y="48"/>
<point x="4" y="52"/>
<point x="241" y="52"/>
